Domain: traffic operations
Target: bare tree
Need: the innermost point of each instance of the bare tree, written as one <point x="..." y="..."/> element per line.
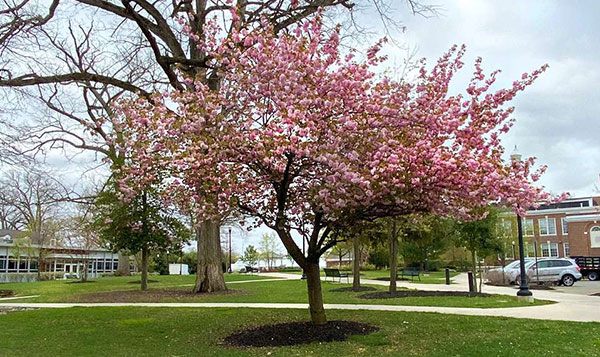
<point x="33" y="199"/>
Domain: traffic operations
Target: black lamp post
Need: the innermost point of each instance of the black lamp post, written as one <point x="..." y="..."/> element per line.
<point x="230" y="268"/>
<point x="523" y="288"/>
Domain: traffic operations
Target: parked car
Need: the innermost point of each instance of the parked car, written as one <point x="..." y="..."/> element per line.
<point x="560" y="270"/>
<point x="590" y="267"/>
<point x="512" y="271"/>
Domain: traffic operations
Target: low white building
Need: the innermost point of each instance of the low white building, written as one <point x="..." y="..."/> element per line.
<point x="21" y="253"/>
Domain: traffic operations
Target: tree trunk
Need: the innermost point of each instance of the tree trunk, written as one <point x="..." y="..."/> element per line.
<point x="123" y="267"/>
<point x="315" y="295"/>
<point x="209" y="276"/>
<point x="84" y="272"/>
<point x="145" y="254"/>
<point x="356" y="263"/>
<point x="393" y="238"/>
<point x="474" y="262"/>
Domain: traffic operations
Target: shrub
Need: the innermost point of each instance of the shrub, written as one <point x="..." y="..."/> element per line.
<point x="380" y="258"/>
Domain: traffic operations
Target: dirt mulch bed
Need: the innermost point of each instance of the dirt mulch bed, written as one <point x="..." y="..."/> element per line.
<point x="540" y="287"/>
<point x="595" y="294"/>
<point x="151" y="295"/>
<point x="349" y="289"/>
<point x="80" y="282"/>
<point x="150" y="281"/>
<point x="6" y="293"/>
<point x="399" y="279"/>
<point x="297" y="333"/>
<point x="6" y="310"/>
<point x="419" y="293"/>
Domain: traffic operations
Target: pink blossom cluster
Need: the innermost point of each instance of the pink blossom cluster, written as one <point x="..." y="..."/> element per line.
<point x="298" y="132"/>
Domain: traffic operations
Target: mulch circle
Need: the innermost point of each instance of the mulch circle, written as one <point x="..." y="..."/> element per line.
<point x="297" y="333"/>
<point x="150" y="295"/>
<point x="6" y="293"/>
<point x="80" y="282"/>
<point x="399" y="279"/>
<point x="150" y="281"/>
<point x="418" y="293"/>
<point x="349" y="289"/>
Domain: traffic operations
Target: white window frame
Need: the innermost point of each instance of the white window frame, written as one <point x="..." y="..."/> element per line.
<point x="592" y="245"/>
<point x="546" y="220"/>
<point x="566" y="250"/>
<point x="549" y="248"/>
<point x="564" y="227"/>
<point x="525" y="234"/>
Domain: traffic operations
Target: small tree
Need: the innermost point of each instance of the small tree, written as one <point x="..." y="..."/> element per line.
<point x="138" y="226"/>
<point x="481" y="237"/>
<point x="251" y="255"/>
<point x="268" y="248"/>
<point x="425" y="238"/>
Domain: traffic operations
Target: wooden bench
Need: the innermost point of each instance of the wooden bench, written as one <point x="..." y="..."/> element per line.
<point x="335" y="273"/>
<point x="412" y="272"/>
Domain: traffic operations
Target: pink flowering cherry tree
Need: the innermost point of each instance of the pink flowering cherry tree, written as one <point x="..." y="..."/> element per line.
<point x="302" y="138"/>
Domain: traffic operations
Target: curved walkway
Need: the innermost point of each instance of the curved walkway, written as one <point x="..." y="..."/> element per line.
<point x="569" y="307"/>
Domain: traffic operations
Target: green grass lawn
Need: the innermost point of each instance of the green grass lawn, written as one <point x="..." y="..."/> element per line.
<point x="60" y="290"/>
<point x="199" y="332"/>
<point x="170" y="289"/>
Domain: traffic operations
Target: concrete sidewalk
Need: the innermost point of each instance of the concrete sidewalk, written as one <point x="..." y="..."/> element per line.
<point x="545" y="312"/>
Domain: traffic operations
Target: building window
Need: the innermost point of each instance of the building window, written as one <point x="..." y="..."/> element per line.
<point x="595" y="237"/>
<point x="547" y="226"/>
<point x="565" y="227"/>
<point x="12" y="265"/>
<point x="528" y="230"/>
<point x="2" y="263"/>
<point x="530" y="250"/>
<point x="549" y="250"/>
<point x="566" y="248"/>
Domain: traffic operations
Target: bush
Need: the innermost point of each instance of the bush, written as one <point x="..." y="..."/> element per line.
<point x="379" y="258"/>
<point x="495" y="277"/>
<point x="290" y="269"/>
<point x="459" y="265"/>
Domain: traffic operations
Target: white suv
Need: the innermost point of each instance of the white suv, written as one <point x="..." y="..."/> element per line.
<point x="560" y="270"/>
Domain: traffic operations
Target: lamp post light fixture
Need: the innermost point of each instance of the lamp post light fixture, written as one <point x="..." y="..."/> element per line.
<point x="524" y="292"/>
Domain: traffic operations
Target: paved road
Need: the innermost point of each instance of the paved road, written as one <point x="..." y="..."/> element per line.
<point x="569" y="306"/>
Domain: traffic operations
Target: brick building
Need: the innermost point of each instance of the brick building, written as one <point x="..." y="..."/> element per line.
<point x="569" y="228"/>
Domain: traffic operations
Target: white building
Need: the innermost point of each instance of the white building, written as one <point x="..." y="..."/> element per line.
<point x="21" y="254"/>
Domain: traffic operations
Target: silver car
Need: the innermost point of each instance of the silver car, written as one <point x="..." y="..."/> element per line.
<point x="560" y="270"/>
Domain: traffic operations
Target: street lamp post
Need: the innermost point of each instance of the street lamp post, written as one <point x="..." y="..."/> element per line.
<point x="524" y="292"/>
<point x="523" y="288"/>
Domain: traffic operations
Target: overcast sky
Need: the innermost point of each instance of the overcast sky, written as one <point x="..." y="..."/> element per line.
<point x="557" y="117"/>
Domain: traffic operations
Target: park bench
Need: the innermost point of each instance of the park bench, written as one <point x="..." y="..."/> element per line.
<point x="412" y="272"/>
<point x="335" y="273"/>
<point x="250" y="269"/>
